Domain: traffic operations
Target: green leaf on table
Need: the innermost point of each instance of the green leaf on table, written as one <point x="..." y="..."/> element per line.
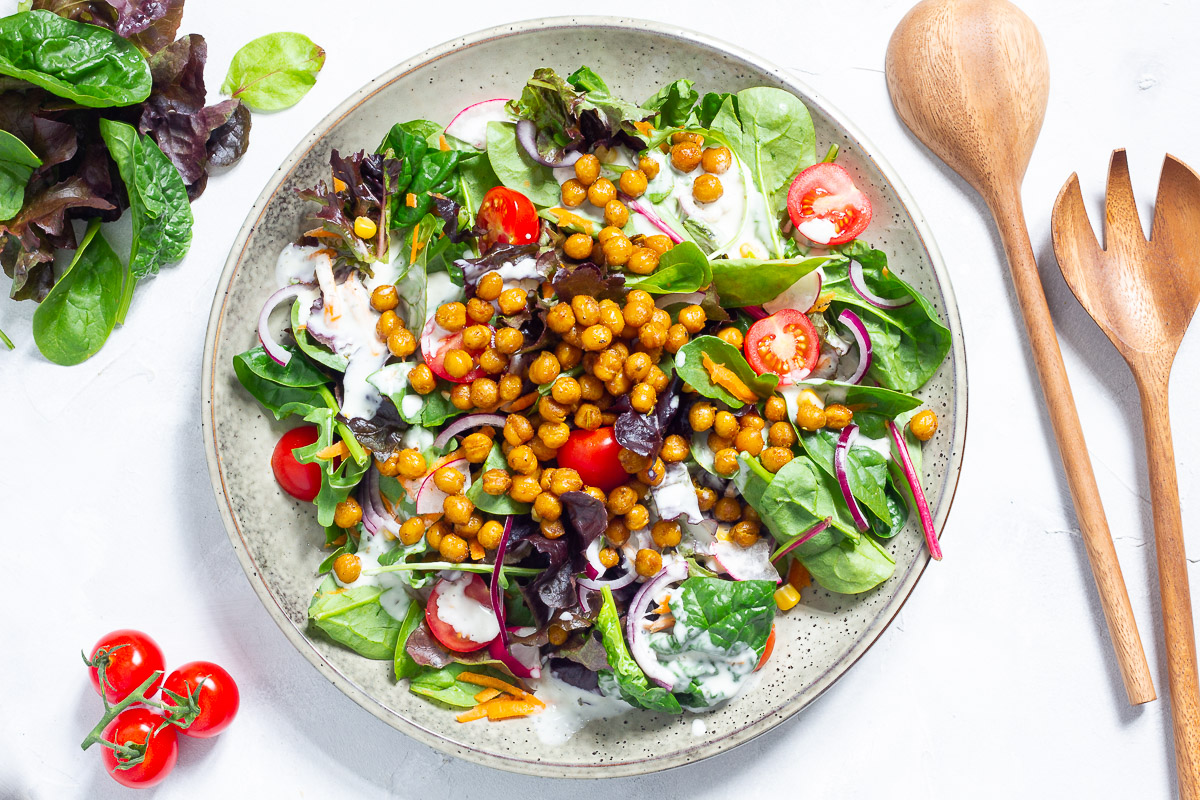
<point x="689" y="365"/>
<point x="274" y="72"/>
<point x="355" y="618"/>
<point x="17" y="163"/>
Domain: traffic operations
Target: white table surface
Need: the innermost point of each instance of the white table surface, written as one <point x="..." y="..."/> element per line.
<point x="997" y="679"/>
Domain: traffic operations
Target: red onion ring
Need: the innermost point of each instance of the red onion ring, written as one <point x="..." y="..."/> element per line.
<point x="862" y="338"/>
<point x="527" y="136"/>
<point x="274" y="349"/>
<point x="840" y="454"/>
<point x="530" y="667"/>
<point x="801" y="539"/>
<point x="639" y="646"/>
<point x="859" y="281"/>
<point x="914" y="483"/>
<point x="464" y="423"/>
<point x="653" y="218"/>
<point x="497" y="601"/>
<point x="373" y="508"/>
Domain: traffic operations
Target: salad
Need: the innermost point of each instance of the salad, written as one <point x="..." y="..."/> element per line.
<point x="592" y="391"/>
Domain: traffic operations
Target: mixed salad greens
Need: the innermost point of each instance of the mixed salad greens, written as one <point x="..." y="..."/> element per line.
<point x="593" y="388"/>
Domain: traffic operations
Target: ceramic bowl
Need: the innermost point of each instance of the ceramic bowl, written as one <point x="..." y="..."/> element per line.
<point x="277" y="539"/>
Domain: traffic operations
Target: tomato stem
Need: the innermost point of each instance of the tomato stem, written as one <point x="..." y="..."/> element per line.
<point x="181" y="713"/>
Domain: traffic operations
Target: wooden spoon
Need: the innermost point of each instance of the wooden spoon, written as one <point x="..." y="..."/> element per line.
<point x="1143" y="294"/>
<point x="970" y="79"/>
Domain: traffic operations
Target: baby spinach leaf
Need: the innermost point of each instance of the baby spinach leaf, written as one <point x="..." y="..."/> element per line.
<point x="403" y="664"/>
<point x="682" y="269"/>
<point x="689" y="364"/>
<point x="495" y="504"/>
<point x="424" y="170"/>
<point x="354" y="617"/>
<point x="628" y="677"/>
<point x="433" y="408"/>
<point x="516" y="169"/>
<point x="733" y="613"/>
<point x="275" y="71"/>
<point x="673" y="104"/>
<point x="800" y="496"/>
<point x="17" y="163"/>
<point x="77" y="316"/>
<point x="86" y="64"/>
<point x="710" y="105"/>
<point x="751" y="281"/>
<point x="443" y="685"/>
<point x="311" y="348"/>
<point x="850" y="567"/>
<point x="867" y="472"/>
<point x="281" y="390"/>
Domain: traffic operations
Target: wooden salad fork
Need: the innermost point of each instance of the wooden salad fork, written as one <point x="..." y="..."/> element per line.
<point x="1142" y="294"/>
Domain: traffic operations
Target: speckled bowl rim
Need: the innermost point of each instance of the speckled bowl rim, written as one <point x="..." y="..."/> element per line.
<point x="708" y="747"/>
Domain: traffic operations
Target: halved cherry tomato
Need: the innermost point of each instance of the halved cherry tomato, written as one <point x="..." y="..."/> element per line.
<point x="215" y="691"/>
<point x="436" y="341"/>
<point x="130" y="658"/>
<point x="826" y="206"/>
<point x="768" y="648"/>
<point x="594" y="455"/>
<point x="477" y="591"/>
<point x="508" y="217"/>
<point x="136" y="725"/>
<point x="301" y="481"/>
<point x="783" y="343"/>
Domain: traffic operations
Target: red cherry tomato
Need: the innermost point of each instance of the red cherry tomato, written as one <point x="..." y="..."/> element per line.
<point x="476" y="590"/>
<point x="136" y="725"/>
<point x="783" y="343"/>
<point x="301" y="481"/>
<point x="826" y="192"/>
<point x="768" y="648"/>
<point x="508" y="217"/>
<point x="594" y="455"/>
<point x="436" y="341"/>
<point x="131" y="658"/>
<point x="215" y="691"/>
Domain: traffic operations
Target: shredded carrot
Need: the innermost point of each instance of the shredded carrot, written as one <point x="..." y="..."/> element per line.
<point x="661" y="624"/>
<point x="798" y="575"/>
<point x="416" y="246"/>
<point x="504" y="709"/>
<point x="521" y="403"/>
<point x="486" y="694"/>
<point x="479" y="679"/>
<point x="645" y="128"/>
<point x="339" y="185"/>
<point x="334" y="450"/>
<point x="724" y="377"/>
<point x="664" y="607"/>
<point x="443" y="144"/>
<point x="410" y="200"/>
<point x="338" y="542"/>
<point x="564" y="217"/>
<point x="476" y="550"/>
<point x="823" y="302"/>
<point x="321" y="233"/>
<point x="387" y="504"/>
<point x="470" y="715"/>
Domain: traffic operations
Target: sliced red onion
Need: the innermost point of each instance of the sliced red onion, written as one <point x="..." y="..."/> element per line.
<point x="523" y="660"/>
<point x="859" y="282"/>
<point x="755" y="312"/>
<point x="801" y="539"/>
<point x="495" y="593"/>
<point x="914" y="482"/>
<point x="840" y="454"/>
<point x="647" y="211"/>
<point x="801" y="295"/>
<point x="594" y="568"/>
<point x="527" y="136"/>
<point x="274" y="349"/>
<point x="690" y="299"/>
<point x="751" y="563"/>
<point x="429" y="498"/>
<point x="466" y="423"/>
<point x="635" y="632"/>
<point x="373" y="508"/>
<point x="470" y="124"/>
<point x="862" y="338"/>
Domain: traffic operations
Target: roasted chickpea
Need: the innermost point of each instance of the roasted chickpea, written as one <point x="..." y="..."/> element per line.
<point x="633" y="182"/>
<point x="608" y="557"/>
<point x="449" y="480"/>
<point x="412" y="530"/>
<point x="401" y="343"/>
<point x="659" y="243"/>
<point x="781" y="434"/>
<point x="651" y="336"/>
<point x="484" y="393"/>
<point x="745" y="533"/>
<point x="731" y="336"/>
<point x="573" y="193"/>
<point x="517" y="429"/>
<point x="347" y="567"/>
<point x="621" y="500"/>
<point x="725" y="461"/>
<point x="727" y="509"/>
<point x="552" y="529"/>
<point x="692" y="318"/>
<point x="749" y="441"/>
<point x="809" y="417"/>
<point x="775" y="458"/>
<point x="601" y="193"/>
<point x="521" y="459"/>
<point x="776" y="409"/>
<point x="460" y="397"/>
<point x="510" y="388"/>
<point x="512" y="300"/>
<point x="480" y="311"/>
<point x="434" y="534"/>
<point x="554" y="434"/>
<point x="617" y="532"/>
<point x="749" y="514"/>
<point x="585" y="310"/>
<point x="587" y="169"/>
<point x="568" y="356"/>
<point x="457" y="509"/>
<point x="565" y="479"/>
<point x="677" y="337"/>
<point x="489" y="534"/>
<point x="616" y="214"/>
<point x="610" y="316"/>
<point x="496" y="482"/>
<point x="453" y="548"/>
<point x="685" y="156"/>
<point x="707" y="188"/>
<point x="470" y="528"/>
<point x="545" y="478"/>
<point x="716" y="160"/>
<point x="642" y="261"/>
<point x="617" y="251"/>
<point x="649" y="167"/>
<point x="607" y="233"/>
<point x="706" y="498"/>
<point x="619" y="385"/>
<point x="411" y="464"/>
<point x="551" y="410"/>
<point x="752" y="421"/>
<point x="653" y="475"/>
<point x="631" y="462"/>
<point x="489" y="287"/>
<point x="648" y="563"/>
<point x="457" y="363"/>
<point x="388" y="322"/>
<point x="726" y="425"/>
<point x="524" y="488"/>
<point x="347" y="513"/>
<point x="674" y="449"/>
<point x="717" y="442"/>
<point x="637" y="517"/>
<point x="587" y="417"/>
<point x="389" y="466"/>
<point x="596" y="337"/>
<point x="509" y="340"/>
<point x="547" y="506"/>
<point x="560" y="318"/>
<point x="637" y="313"/>
<point x="642" y="398"/>
<point x="837" y="416"/>
<point x="544" y="369"/>
<point x="637" y="366"/>
<point x="477" y="337"/>
<point x="476" y="447"/>
<point x="590" y="387"/>
<point x="492" y="362"/>
<point x="385" y="297"/>
<point x="565" y="390"/>
<point x="578" y="246"/>
<point x="924" y="424"/>
<point x="665" y="533"/>
<point x="452" y="316"/>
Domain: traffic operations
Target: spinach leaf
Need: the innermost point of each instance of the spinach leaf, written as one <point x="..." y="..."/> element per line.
<point x="682" y="269"/>
<point x="77" y="316"/>
<point x="354" y="617"/>
<point x="850" y="567"/>
<point x="797" y="498"/>
<point x="710" y="106"/>
<point x="336" y="481"/>
<point x="689" y="364"/>
<point x="516" y="170"/>
<point x="281" y="390"/>
<point x="495" y="504"/>
<point x="673" y="104"/>
<point x="627" y="676"/>
<point x="443" y="685"/>
<point x="475" y="177"/>
<point x="17" y="163"/>
<point x="909" y="343"/>
<point x="432" y="410"/>
<point x="314" y="350"/>
<point x="158" y="201"/>
<point x="274" y="71"/>
<point x="86" y="64"/>
<point x="751" y="281"/>
<point x="731" y="612"/>
<point x="424" y="170"/>
<point x="867" y="472"/>
<point x="403" y="664"/>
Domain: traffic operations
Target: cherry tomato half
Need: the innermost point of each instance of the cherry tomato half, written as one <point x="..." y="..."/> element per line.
<point x="132" y="657"/>
<point x="594" y="455"/>
<point x="783" y="343"/>
<point x="476" y="591"/>
<point x="136" y="725"/>
<point x="826" y="206"/>
<point x="301" y="481"/>
<point x="508" y="217"/>
<point x="768" y="648"/>
<point x="436" y="342"/>
<point x="215" y="691"/>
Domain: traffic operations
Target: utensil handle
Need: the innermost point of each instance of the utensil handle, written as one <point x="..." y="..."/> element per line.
<point x="1173" y="583"/>
<point x="1060" y="405"/>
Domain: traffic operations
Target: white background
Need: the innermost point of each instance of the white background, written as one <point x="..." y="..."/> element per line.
<point x="997" y="679"/>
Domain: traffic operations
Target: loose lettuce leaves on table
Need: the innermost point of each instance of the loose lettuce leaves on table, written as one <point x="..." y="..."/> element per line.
<point x="354" y="617"/>
<point x="275" y="71"/>
<point x="17" y="163"/>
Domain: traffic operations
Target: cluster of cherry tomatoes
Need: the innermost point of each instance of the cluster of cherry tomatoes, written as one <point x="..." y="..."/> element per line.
<point x="132" y="665"/>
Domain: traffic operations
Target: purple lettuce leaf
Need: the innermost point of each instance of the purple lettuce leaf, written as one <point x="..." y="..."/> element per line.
<point x="643" y="433"/>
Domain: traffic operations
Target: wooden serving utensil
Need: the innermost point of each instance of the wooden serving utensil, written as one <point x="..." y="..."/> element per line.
<point x="970" y="78"/>
<point x="1142" y="294"/>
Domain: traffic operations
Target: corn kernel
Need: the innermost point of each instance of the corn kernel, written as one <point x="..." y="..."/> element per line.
<point x="786" y="597"/>
<point x="365" y="228"/>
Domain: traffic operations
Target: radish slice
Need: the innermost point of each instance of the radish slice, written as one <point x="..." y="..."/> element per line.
<point x="466" y="423"/>
<point x="859" y="331"/>
<point x="801" y="539"/>
<point x="274" y="349"/>
<point x="635" y="631"/>
<point x="470" y="125"/>
<point x="429" y="497"/>
<point x="594" y="568"/>
<point x="690" y="299"/>
<point x="914" y="482"/>
<point x="840" y="454"/>
<point x="751" y="563"/>
<point x="523" y="660"/>
<point x="527" y="136"/>
<point x="859" y="281"/>
<point x="801" y="295"/>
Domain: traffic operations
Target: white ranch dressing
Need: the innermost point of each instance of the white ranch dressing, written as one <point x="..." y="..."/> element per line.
<point x="395" y="600"/>
<point x="569" y="709"/>
<point x="295" y="264"/>
<point x="348" y="321"/>
<point x="818" y="230"/>
<point x="470" y="619"/>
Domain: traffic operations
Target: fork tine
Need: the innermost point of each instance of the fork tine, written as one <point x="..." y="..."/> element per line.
<point x="1177" y="207"/>
<point x="1120" y="209"/>
<point x="1075" y="244"/>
